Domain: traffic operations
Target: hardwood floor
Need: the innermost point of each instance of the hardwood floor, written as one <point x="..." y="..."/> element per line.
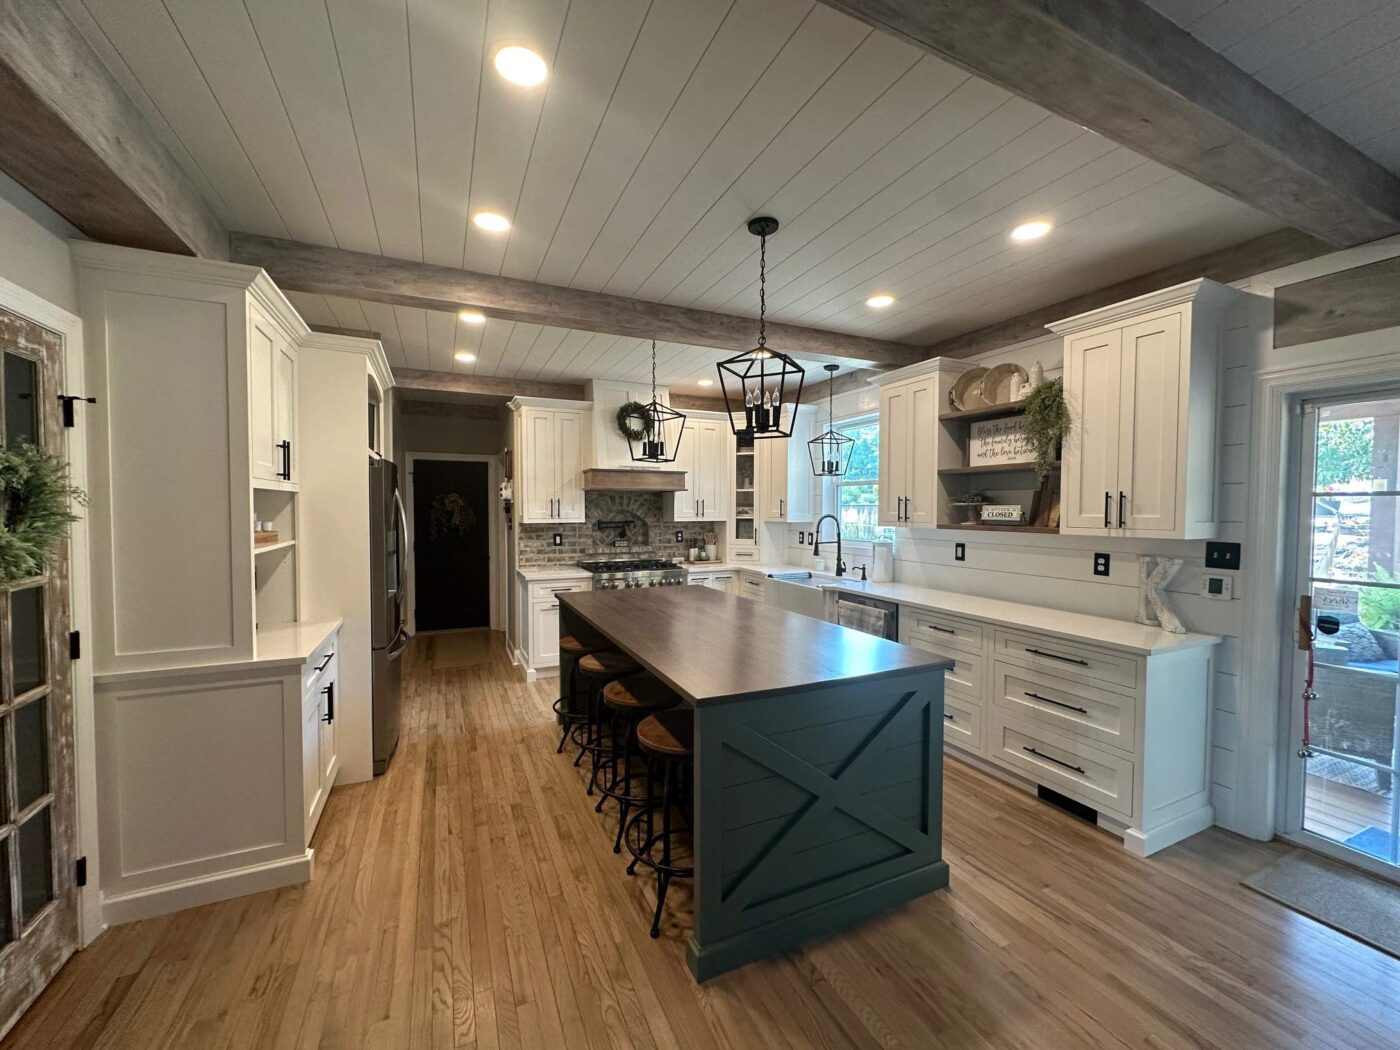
<point x="469" y="898"/>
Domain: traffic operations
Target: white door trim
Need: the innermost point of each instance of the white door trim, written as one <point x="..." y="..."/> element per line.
<point x="70" y="326"/>
<point x="495" y="523"/>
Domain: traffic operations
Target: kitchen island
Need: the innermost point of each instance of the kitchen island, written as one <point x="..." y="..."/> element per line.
<point x="818" y="763"/>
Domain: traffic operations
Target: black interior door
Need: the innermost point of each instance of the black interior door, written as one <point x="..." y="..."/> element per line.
<point x="451" y="545"/>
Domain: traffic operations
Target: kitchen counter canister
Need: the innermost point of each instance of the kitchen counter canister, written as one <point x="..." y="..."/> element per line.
<point x="788" y="846"/>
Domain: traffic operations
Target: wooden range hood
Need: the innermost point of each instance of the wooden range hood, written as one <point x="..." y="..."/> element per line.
<point x="622" y="479"/>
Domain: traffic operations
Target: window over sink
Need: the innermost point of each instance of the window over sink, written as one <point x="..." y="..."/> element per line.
<point x="857" y="492"/>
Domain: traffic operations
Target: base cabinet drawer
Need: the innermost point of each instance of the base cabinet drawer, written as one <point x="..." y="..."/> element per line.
<point x="963" y="723"/>
<point x="1096" y="777"/>
<point x="968" y="673"/>
<point x="1064" y="705"/>
<point x="751" y="586"/>
<point x="551" y="589"/>
<point x="946" y="630"/>
<point x="1068" y="658"/>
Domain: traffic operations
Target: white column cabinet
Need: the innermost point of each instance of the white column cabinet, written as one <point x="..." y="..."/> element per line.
<point x="550" y="453"/>
<point x="911" y="445"/>
<point x="1141" y="382"/>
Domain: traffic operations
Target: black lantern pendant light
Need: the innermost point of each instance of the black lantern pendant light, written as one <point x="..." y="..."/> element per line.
<point x="660" y="428"/>
<point x="830" y="451"/>
<point x="762" y="387"/>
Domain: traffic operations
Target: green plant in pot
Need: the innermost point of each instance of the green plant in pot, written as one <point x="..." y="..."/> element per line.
<point x="967" y="505"/>
<point x="1047" y="424"/>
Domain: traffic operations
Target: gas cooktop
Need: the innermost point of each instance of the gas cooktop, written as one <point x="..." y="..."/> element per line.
<point x="632" y="565"/>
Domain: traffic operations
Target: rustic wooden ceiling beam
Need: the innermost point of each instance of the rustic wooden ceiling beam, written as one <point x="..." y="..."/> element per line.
<point x="410" y="379"/>
<point x="72" y="138"/>
<point x="356" y="275"/>
<point x="1122" y="69"/>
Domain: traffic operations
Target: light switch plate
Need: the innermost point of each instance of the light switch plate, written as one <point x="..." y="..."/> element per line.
<point x="559" y="539"/>
<point x="1100" y="564"/>
<point x="1221" y="588"/>
<point x="960" y="552"/>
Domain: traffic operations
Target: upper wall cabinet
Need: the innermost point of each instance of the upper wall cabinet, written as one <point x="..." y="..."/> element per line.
<point x="551" y="448"/>
<point x="911" y="452"/>
<point x="193" y="364"/>
<point x="787" y="490"/>
<point x="705" y="456"/>
<point x="1142" y="382"/>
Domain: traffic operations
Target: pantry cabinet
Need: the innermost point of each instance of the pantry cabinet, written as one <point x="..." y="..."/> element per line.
<point x="705" y="457"/>
<point x="1142" y="382"/>
<point x="551" y="449"/>
<point x="912" y="448"/>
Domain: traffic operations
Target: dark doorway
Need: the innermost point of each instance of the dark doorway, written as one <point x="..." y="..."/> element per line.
<point x="451" y="545"/>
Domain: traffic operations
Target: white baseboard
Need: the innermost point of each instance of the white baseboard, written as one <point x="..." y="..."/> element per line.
<point x="1146" y="843"/>
<point x="221" y="886"/>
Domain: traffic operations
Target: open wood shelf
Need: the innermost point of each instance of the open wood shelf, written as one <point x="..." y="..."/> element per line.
<point x="972" y="415"/>
<point x="1044" y="530"/>
<point x="1000" y="468"/>
<point x="263" y="548"/>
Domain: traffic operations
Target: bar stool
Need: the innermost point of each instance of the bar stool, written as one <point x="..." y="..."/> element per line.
<point x="667" y="738"/>
<point x="568" y="708"/>
<point x="598" y="669"/>
<point x="629" y="700"/>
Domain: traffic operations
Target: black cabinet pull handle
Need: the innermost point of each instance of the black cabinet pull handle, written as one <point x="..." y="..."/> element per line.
<point x="326" y="662"/>
<point x="945" y="630"/>
<point x="1107" y="510"/>
<point x="1057" y="703"/>
<point x="329" y="690"/>
<point x="1121" y="498"/>
<point x="1057" y="656"/>
<point x="949" y="717"/>
<point x="1049" y="758"/>
<point x="286" y="472"/>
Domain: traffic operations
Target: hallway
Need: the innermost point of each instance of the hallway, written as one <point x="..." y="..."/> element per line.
<point x="469" y="898"/>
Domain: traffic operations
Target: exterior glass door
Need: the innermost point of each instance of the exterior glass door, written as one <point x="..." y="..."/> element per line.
<point x="1343" y="793"/>
<point x="38" y="897"/>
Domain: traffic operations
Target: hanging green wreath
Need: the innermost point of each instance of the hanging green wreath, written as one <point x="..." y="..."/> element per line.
<point x="632" y="420"/>
<point x="36" y="492"/>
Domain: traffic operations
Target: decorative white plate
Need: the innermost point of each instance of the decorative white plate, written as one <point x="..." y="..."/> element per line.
<point x="967" y="391"/>
<point x="996" y="384"/>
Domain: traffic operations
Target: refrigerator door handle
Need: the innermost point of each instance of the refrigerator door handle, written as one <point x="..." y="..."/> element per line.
<point x="395" y="651"/>
<point x="399" y="547"/>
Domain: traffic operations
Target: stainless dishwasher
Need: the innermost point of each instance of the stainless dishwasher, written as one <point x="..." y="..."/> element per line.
<point x="868" y="615"/>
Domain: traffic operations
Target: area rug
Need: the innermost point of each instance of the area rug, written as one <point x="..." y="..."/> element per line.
<point x="467" y="649"/>
<point x="1345" y="899"/>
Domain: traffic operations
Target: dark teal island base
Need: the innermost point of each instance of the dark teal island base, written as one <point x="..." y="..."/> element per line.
<point x="818" y="764"/>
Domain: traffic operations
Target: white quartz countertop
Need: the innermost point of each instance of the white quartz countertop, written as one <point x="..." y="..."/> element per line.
<point x="1079" y="627"/>
<point x="283" y="645"/>
<point x="553" y="572"/>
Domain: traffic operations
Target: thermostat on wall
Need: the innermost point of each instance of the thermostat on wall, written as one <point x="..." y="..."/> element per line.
<point x="1221" y="588"/>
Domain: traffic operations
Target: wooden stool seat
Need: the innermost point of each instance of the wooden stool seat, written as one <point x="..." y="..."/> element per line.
<point x="637" y="693"/>
<point x="670" y="733"/>
<point x="570" y="644"/>
<point x="607" y="662"/>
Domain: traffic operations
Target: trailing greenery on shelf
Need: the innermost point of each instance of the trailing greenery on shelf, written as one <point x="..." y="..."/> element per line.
<point x="632" y="420"/>
<point x="1047" y="423"/>
<point x="36" y="492"/>
<point x="969" y="499"/>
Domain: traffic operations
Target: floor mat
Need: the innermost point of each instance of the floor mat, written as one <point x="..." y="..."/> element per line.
<point x="1348" y="900"/>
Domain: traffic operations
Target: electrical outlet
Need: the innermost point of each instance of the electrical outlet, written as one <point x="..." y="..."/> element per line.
<point x="680" y="535"/>
<point x="1100" y="564"/>
<point x="1222" y="555"/>
<point x="801" y="536"/>
<point x="559" y="539"/>
<point x="960" y="552"/>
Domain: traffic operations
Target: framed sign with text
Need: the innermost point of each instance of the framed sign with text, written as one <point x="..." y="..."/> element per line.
<point x="997" y="442"/>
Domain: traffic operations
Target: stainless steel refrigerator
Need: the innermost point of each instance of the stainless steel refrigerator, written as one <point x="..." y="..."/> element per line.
<point x="389" y="637"/>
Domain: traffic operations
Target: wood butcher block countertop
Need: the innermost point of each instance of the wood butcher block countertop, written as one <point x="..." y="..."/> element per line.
<point x="710" y="646"/>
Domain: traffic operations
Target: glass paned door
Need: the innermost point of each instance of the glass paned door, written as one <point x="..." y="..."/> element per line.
<point x="38" y="898"/>
<point x="1343" y="788"/>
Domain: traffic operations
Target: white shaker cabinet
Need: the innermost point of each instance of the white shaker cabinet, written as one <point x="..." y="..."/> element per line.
<point x="705" y="457"/>
<point x="1141" y="382"/>
<point x="911" y="445"/>
<point x="272" y="363"/>
<point x="787" y="491"/>
<point x="550" y="453"/>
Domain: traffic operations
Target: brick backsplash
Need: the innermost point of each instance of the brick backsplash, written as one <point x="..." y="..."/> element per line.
<point x="650" y="535"/>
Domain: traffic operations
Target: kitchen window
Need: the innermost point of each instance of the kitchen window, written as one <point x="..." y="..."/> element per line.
<point x="857" y="492"/>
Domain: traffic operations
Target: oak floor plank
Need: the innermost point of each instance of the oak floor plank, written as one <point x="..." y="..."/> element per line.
<point x="469" y="899"/>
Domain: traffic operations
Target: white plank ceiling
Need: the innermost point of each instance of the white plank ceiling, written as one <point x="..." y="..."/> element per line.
<point x="380" y="126"/>
<point x="1336" y="60"/>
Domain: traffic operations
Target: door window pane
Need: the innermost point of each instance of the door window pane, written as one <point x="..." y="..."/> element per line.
<point x="21" y="403"/>
<point x="27" y="638"/>
<point x="7" y="933"/>
<point x="35" y="864"/>
<point x="30" y="724"/>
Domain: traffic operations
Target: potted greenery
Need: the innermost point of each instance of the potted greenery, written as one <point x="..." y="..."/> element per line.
<point x="1047" y="423"/>
<point x="967" y="505"/>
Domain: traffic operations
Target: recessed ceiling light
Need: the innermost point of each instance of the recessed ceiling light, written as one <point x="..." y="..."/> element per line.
<point x="491" y="222"/>
<point x="879" y="302"/>
<point x="706" y="382"/>
<point x="521" y="66"/>
<point x="1031" y="231"/>
<point x="465" y="356"/>
<point x="472" y="316"/>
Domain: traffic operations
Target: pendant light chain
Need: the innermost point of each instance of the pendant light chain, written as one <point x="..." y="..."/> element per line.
<point x="653" y="370"/>
<point x="762" y="290"/>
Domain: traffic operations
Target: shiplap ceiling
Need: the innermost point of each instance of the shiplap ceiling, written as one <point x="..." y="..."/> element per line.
<point x="380" y="125"/>
<point x="1336" y="60"/>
